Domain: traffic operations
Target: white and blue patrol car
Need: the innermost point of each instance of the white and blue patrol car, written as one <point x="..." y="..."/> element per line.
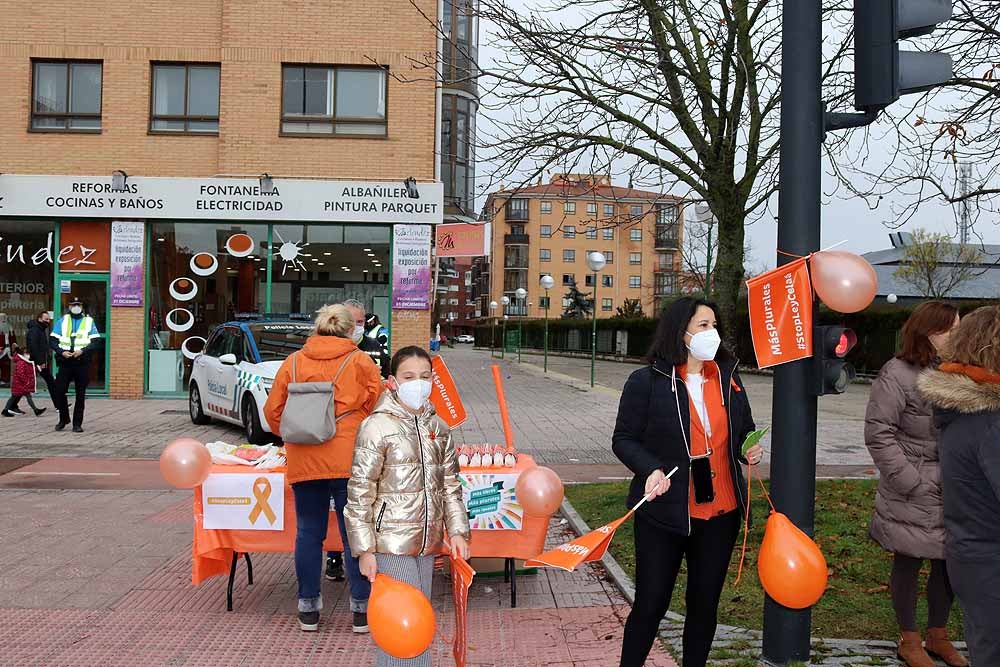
<point x="231" y="378"/>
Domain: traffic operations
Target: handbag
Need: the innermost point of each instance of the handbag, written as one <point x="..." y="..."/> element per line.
<point x="309" y="417"/>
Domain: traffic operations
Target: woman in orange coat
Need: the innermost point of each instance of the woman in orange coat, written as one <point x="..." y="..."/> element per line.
<point x="319" y="472"/>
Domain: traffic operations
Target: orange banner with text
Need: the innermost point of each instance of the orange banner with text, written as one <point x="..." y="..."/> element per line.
<point x="445" y="398"/>
<point x="584" y="549"/>
<point x="781" y="303"/>
<point x="461" y="240"/>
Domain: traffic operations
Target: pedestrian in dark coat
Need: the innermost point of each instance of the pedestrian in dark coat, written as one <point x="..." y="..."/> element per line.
<point x="909" y="510"/>
<point x="39" y="351"/>
<point x="965" y="393"/>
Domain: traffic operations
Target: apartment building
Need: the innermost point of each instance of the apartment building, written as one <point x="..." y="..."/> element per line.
<point x="548" y="229"/>
<point x="181" y="164"/>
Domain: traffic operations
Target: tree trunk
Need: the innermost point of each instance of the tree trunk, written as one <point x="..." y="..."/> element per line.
<point x="728" y="279"/>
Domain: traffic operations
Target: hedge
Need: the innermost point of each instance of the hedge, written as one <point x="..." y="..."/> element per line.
<point x="877" y="329"/>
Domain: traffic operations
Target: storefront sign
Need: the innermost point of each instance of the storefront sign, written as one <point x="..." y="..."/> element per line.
<point x="781" y="314"/>
<point x="461" y="240"/>
<point x="127" y="270"/>
<point x="411" y="267"/>
<point x="236" y="501"/>
<point x="221" y="199"/>
<point x="491" y="501"/>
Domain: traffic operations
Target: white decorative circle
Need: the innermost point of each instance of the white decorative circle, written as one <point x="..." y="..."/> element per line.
<point x="204" y="264"/>
<point x="186" y="351"/>
<point x="240" y="245"/>
<point x="179" y="326"/>
<point x="179" y="284"/>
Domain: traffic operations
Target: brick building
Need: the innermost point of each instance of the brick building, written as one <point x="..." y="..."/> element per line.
<point x="548" y="229"/>
<point x="269" y="152"/>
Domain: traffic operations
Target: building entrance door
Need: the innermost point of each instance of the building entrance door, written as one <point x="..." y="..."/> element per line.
<point x="93" y="291"/>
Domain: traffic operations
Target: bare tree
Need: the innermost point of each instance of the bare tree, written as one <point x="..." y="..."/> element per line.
<point x="698" y="254"/>
<point x="934" y="265"/>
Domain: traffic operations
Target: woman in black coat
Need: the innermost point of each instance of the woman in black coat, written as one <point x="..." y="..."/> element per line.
<point x="688" y="408"/>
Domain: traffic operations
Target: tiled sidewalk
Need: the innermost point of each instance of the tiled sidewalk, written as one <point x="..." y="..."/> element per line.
<point x="103" y="578"/>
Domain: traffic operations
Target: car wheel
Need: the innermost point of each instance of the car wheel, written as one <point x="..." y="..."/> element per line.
<point x="198" y="415"/>
<point x="251" y="423"/>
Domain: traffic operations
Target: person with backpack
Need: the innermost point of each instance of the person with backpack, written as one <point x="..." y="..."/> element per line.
<point x="319" y="398"/>
<point x="405" y="498"/>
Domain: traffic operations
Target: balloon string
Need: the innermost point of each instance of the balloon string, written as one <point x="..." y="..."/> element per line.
<point x="746" y="530"/>
<point x="766" y="494"/>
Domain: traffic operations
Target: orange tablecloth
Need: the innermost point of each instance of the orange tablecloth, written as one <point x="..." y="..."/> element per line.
<point x="212" y="550"/>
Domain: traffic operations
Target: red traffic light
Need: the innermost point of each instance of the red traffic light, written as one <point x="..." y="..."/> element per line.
<point x="848" y="339"/>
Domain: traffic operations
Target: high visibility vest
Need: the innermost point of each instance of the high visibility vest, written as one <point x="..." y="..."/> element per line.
<point x="78" y="339"/>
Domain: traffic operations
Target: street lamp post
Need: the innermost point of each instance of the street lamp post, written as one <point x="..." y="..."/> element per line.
<point x="595" y="262"/>
<point x="505" y="300"/>
<point x="547" y="283"/>
<point x="522" y="294"/>
<point x="493" y="329"/>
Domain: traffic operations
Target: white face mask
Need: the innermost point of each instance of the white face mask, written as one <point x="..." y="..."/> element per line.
<point x="414" y="394"/>
<point x="76" y="310"/>
<point x="359" y="333"/>
<point x="704" y="344"/>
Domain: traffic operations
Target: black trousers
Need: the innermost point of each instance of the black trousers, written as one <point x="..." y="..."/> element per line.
<point x="79" y="375"/>
<point x="904" y="586"/>
<point x="50" y="383"/>
<point x="658" y="554"/>
<point x="977" y="585"/>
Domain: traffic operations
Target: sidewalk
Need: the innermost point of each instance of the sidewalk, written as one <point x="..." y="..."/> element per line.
<point x="103" y="578"/>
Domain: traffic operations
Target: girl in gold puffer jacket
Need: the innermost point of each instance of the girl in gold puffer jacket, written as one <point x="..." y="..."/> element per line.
<point x="404" y="494"/>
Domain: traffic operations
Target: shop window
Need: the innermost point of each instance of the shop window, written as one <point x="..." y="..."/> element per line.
<point x="328" y="101"/>
<point x="26" y="278"/>
<point x="185" y="99"/>
<point x="66" y="96"/>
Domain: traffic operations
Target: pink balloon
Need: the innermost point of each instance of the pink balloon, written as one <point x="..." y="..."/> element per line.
<point x="539" y="491"/>
<point x="185" y="463"/>
<point x="845" y="282"/>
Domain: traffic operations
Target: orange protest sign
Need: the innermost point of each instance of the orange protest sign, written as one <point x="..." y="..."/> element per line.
<point x="781" y="303"/>
<point x="584" y="549"/>
<point x="445" y="398"/>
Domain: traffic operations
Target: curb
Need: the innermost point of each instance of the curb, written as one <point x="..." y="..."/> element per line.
<point x="569" y="380"/>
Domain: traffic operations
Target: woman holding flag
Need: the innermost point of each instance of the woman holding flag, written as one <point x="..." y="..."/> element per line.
<point x="688" y="408"/>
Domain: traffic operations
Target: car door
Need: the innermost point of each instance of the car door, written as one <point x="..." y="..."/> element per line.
<point x="228" y="374"/>
<point x="205" y="371"/>
<point x="217" y="396"/>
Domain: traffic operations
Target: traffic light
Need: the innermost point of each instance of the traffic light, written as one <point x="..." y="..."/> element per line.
<point x="830" y="345"/>
<point x="882" y="73"/>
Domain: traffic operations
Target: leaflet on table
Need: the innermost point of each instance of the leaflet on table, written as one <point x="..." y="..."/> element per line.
<point x="261" y="457"/>
<point x="244" y="501"/>
<point x="491" y="500"/>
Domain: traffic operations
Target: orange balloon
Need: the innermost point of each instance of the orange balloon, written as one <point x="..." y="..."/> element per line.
<point x="539" y="491"/>
<point x="185" y="463"/>
<point x="400" y="618"/>
<point x="791" y="567"/>
<point x="845" y="282"/>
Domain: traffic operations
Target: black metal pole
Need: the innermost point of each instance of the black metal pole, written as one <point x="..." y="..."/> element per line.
<point x="793" y="450"/>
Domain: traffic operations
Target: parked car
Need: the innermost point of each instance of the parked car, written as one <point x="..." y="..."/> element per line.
<point x="231" y="378"/>
<point x="465" y="338"/>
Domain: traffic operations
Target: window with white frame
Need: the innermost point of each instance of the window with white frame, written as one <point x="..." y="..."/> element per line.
<point x="635" y="235"/>
<point x="634" y="282"/>
<point x="635" y="258"/>
<point x="569" y="207"/>
<point x="328" y="101"/>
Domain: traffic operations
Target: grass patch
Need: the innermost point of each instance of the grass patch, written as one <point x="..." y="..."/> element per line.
<point x="856" y="604"/>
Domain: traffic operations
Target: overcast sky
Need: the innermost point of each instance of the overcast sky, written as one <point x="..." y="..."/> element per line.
<point x="844" y="219"/>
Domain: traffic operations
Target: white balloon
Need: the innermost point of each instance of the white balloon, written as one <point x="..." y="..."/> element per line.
<point x="892" y="298"/>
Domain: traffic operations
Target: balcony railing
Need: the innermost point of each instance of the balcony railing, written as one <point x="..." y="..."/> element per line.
<point x="666" y="237"/>
<point x="516" y="211"/>
<point x="515" y="239"/>
<point x="664" y="283"/>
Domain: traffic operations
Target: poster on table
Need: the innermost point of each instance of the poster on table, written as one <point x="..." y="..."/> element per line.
<point x="445" y="399"/>
<point x="491" y="501"/>
<point x="411" y="267"/>
<point x="238" y="501"/>
<point x="462" y="240"/>
<point x="127" y="270"/>
<point x="781" y="303"/>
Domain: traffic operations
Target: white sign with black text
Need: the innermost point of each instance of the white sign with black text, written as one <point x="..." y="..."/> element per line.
<point x="220" y="199"/>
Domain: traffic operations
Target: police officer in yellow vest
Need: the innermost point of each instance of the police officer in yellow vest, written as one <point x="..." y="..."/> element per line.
<point x="73" y="340"/>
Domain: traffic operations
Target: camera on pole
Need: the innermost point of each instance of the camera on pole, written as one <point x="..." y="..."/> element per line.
<point x="883" y="72"/>
<point x="832" y="372"/>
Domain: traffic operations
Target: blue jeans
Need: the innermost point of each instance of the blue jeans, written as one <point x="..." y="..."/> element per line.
<point x="312" y="512"/>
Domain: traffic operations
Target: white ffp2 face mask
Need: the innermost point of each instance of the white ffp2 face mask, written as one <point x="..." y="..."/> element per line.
<point x="359" y="333"/>
<point x="414" y="394"/>
<point x="704" y="344"/>
<point x="76" y="310"/>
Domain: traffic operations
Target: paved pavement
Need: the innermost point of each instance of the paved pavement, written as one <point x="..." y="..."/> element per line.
<point x="556" y="418"/>
<point x="103" y="578"/>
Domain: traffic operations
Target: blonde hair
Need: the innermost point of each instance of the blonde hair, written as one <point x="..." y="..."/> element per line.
<point x="334" y="320"/>
<point x="976" y="341"/>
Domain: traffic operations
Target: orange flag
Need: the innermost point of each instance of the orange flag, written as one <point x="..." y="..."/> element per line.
<point x="461" y="580"/>
<point x="780" y="304"/>
<point x="445" y="398"/>
<point x="586" y="548"/>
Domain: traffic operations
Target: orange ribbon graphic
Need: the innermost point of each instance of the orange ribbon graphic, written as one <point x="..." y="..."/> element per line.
<point x="262" y="492"/>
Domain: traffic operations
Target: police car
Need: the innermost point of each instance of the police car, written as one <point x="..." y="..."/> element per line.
<point x="231" y="378"/>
